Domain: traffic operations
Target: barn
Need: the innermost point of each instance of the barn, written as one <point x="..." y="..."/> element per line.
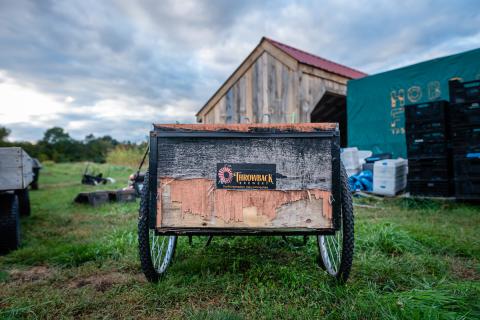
<point x="277" y="83"/>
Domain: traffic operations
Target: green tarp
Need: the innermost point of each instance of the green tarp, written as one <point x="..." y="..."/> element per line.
<point x="375" y="104"/>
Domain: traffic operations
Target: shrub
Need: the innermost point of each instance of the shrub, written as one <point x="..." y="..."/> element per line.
<point x="127" y="155"/>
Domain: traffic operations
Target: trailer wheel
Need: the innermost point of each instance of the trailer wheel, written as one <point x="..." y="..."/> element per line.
<point x="23" y="202"/>
<point x="336" y="251"/>
<point x="156" y="252"/>
<point x="9" y="223"/>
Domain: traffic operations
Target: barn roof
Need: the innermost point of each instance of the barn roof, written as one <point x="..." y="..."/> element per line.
<point x="316" y="61"/>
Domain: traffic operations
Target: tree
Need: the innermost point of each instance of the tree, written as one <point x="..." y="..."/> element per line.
<point x="55" y="135"/>
<point x="4" y="133"/>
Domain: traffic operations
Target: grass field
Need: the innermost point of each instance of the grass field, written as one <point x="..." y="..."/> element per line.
<point x="413" y="260"/>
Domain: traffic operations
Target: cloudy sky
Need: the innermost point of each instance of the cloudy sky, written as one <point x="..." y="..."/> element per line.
<point x="114" y="67"/>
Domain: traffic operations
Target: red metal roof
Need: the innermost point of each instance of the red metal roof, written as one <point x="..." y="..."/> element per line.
<point x="318" y="62"/>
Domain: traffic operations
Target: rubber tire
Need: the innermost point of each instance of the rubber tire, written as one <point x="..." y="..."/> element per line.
<point x="348" y="231"/>
<point x="23" y="202"/>
<point x="143" y="236"/>
<point x="9" y="223"/>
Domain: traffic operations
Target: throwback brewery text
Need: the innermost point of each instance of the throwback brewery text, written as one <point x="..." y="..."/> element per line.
<point x="246" y="176"/>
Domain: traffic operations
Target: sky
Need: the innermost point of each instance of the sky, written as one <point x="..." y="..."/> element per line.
<point x="115" y="67"/>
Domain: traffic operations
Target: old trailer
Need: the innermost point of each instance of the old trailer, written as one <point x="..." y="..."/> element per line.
<point x="16" y="174"/>
<point x="246" y="179"/>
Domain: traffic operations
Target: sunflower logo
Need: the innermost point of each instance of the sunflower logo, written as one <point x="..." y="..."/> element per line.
<point x="225" y="175"/>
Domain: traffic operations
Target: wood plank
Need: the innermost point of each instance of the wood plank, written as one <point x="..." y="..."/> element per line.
<point x="249" y="95"/>
<point x="265" y="116"/>
<point x="294" y="100"/>
<point x="304" y="98"/>
<point x="242" y="107"/>
<point x="229" y="108"/>
<point x="256" y="87"/>
<point x="322" y="74"/>
<point x="284" y="99"/>
<point x="272" y="100"/>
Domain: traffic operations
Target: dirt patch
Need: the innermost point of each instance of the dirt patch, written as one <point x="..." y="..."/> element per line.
<point x="463" y="272"/>
<point x="103" y="282"/>
<point x="32" y="274"/>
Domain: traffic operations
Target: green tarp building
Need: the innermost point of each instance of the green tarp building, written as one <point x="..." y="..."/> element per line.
<point x="375" y="104"/>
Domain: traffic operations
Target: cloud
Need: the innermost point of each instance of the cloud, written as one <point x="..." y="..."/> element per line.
<point x="114" y="67"/>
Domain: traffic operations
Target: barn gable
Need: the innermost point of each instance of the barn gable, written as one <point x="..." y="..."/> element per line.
<point x="280" y="84"/>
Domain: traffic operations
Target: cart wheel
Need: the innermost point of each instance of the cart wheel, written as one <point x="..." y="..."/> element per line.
<point x="9" y="223"/>
<point x="156" y="252"/>
<point x="336" y="251"/>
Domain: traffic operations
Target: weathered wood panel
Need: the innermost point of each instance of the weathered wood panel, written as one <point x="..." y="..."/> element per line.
<point x="15" y="169"/>
<point x="187" y="172"/>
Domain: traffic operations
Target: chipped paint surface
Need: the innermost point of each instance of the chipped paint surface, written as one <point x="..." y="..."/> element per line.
<point x="196" y="203"/>
<point x="298" y="127"/>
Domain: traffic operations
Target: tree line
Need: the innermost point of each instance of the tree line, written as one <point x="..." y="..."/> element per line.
<point x="57" y="145"/>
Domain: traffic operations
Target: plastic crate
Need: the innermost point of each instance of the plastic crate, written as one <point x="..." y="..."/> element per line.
<point x="466" y="140"/>
<point x="429" y="169"/>
<point x="465" y="114"/>
<point x="467" y="166"/>
<point x="426" y="136"/>
<point x="426" y="112"/>
<point x="421" y="150"/>
<point x="468" y="91"/>
<point x="468" y="189"/>
<point x="430" y="188"/>
<point x="426" y="126"/>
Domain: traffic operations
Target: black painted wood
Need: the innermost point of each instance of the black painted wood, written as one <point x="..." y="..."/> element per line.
<point x="302" y="163"/>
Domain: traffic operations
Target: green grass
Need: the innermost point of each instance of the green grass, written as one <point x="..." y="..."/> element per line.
<point x="413" y="260"/>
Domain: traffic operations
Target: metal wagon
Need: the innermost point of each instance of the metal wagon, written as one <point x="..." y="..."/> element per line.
<point x="246" y="179"/>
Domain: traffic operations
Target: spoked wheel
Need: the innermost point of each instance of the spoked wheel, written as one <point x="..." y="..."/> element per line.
<point x="156" y="251"/>
<point x="336" y="251"/>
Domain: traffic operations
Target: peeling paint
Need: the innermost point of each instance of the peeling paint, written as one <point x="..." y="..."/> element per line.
<point x="196" y="201"/>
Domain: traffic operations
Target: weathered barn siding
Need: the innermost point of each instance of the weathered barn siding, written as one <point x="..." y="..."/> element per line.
<point x="311" y="90"/>
<point x="271" y="92"/>
<point x="263" y="94"/>
<point x="280" y="84"/>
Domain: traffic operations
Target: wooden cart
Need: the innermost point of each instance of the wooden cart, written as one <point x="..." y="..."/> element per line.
<point x="246" y="179"/>
<point x="16" y="174"/>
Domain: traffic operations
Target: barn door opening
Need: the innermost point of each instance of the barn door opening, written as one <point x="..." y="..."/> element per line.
<point x="332" y="108"/>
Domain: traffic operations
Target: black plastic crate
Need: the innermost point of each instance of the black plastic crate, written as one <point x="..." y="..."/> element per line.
<point x="466" y="140"/>
<point x="467" y="166"/>
<point x="426" y="112"/>
<point x="420" y="150"/>
<point x="468" y="189"/>
<point x="429" y="169"/>
<point x="465" y="114"/>
<point x="468" y="91"/>
<point x="426" y="136"/>
<point x="430" y="188"/>
<point x="426" y="126"/>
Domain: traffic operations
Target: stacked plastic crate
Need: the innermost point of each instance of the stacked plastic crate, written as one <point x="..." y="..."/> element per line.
<point x="465" y="130"/>
<point x="429" y="157"/>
